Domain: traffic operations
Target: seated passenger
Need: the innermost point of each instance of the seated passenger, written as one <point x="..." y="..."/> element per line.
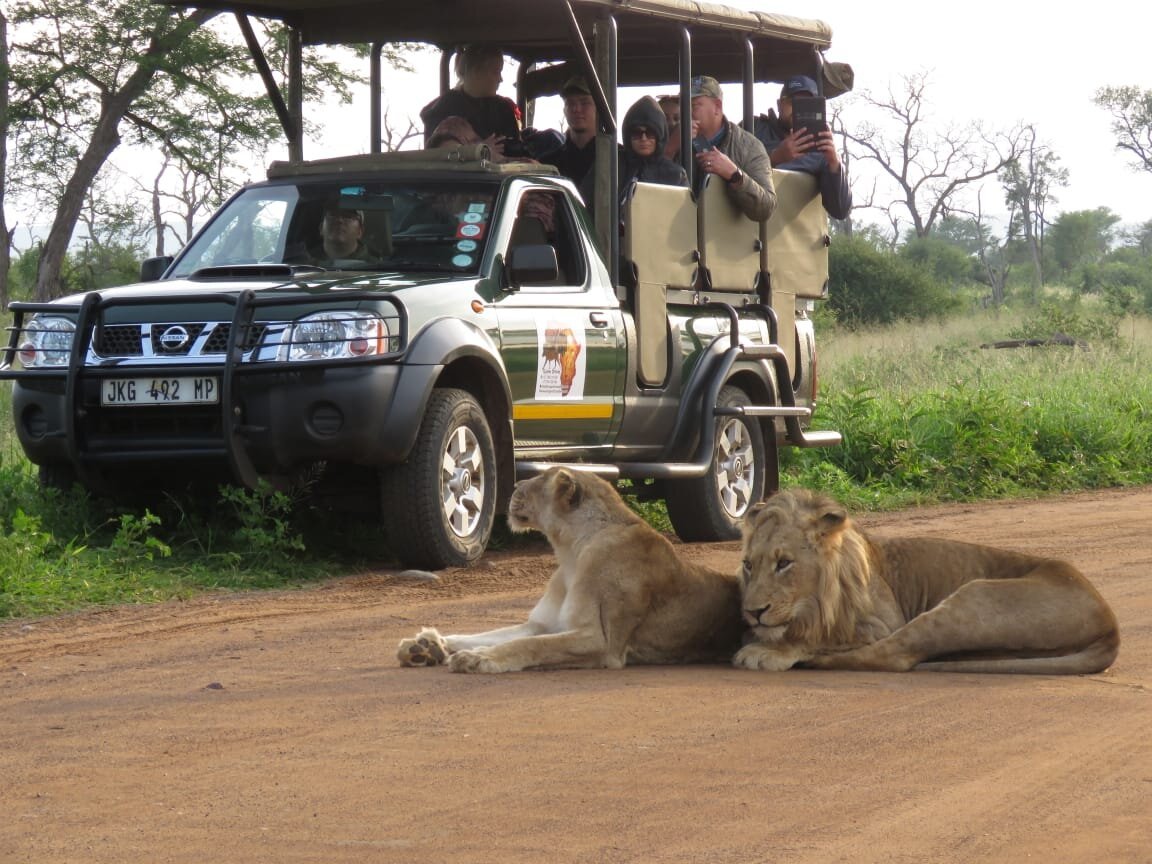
<point x="479" y="70"/>
<point x="670" y="105"/>
<point x="645" y="135"/>
<point x="792" y="149"/>
<point x="726" y="150"/>
<point x="642" y="155"/>
<point x="575" y="156"/>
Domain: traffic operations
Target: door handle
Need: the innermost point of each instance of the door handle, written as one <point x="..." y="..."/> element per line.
<point x="598" y="319"/>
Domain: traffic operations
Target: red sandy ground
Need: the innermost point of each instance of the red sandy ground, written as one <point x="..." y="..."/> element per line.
<point x="278" y="727"/>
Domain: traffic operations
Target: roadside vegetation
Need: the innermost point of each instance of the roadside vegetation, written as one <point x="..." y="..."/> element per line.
<point x="927" y="416"/>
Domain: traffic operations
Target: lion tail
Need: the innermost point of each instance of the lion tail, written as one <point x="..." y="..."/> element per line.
<point x="1093" y="658"/>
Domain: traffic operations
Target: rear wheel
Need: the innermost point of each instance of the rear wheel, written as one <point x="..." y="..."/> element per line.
<point x="439" y="505"/>
<point x="713" y="507"/>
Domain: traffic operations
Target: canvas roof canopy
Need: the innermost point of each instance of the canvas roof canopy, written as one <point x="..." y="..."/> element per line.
<point x="541" y="31"/>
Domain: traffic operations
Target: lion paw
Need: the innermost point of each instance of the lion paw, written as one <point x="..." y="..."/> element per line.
<point x="474" y="661"/>
<point x="764" y="658"/>
<point x="427" y="648"/>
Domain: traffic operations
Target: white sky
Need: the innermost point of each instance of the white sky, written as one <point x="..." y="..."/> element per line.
<point x="997" y="61"/>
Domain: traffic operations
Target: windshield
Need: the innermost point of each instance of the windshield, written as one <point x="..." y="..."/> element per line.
<point x="380" y="225"/>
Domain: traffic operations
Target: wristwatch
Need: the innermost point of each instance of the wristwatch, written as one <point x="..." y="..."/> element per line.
<point x="736" y="177"/>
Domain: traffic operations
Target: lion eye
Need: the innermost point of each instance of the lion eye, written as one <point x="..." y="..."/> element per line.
<point x="783" y="564"/>
<point x="746" y="568"/>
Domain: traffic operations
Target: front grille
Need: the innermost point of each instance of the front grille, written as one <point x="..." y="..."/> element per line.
<point x="119" y="340"/>
<point x="172" y="339"/>
<point x="218" y="340"/>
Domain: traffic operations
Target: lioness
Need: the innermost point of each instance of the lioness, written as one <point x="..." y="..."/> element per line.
<point x="819" y="592"/>
<point x="620" y="594"/>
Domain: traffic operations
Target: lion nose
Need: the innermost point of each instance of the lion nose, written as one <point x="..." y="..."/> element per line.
<point x="752" y="616"/>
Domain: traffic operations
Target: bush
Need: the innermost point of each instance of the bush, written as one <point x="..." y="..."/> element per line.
<point x="873" y="287"/>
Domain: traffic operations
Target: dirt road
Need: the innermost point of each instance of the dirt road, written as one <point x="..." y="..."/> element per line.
<point x="280" y="728"/>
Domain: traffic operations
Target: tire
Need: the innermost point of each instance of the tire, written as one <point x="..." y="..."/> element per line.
<point x="439" y="505"/>
<point x="713" y="507"/>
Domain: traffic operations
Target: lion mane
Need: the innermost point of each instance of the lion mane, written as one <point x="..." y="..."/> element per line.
<point x="819" y="592"/>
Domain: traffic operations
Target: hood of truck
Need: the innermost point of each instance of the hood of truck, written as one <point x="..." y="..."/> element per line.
<point x="322" y="286"/>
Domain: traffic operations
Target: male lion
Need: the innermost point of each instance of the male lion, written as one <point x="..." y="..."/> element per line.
<point x="819" y="592"/>
<point x="619" y="594"/>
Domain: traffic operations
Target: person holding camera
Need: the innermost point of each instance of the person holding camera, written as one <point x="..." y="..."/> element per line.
<point x="796" y="147"/>
<point x="495" y="118"/>
<point x="730" y="152"/>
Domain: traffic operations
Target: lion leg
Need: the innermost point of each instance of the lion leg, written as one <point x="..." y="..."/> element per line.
<point x="767" y="657"/>
<point x="426" y="648"/>
<point x="574" y="649"/>
<point x="1048" y="615"/>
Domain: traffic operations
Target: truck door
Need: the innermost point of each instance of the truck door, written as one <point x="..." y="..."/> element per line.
<point x="563" y="341"/>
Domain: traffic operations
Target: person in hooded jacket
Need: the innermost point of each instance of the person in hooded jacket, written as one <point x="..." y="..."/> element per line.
<point x="642" y="156"/>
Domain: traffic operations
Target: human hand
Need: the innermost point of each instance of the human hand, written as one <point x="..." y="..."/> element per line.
<point x="496" y="146"/>
<point x="794" y="145"/>
<point x="824" y="142"/>
<point x="714" y="162"/>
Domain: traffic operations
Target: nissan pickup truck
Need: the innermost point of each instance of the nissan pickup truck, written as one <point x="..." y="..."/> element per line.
<point x="479" y="330"/>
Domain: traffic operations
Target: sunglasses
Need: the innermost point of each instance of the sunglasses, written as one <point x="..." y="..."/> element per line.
<point x="643" y="132"/>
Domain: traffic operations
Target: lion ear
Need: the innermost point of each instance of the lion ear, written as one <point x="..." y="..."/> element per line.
<point x="831" y="520"/>
<point x="568" y="489"/>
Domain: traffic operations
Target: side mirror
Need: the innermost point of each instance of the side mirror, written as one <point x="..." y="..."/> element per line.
<point x="152" y="269"/>
<point x="533" y="264"/>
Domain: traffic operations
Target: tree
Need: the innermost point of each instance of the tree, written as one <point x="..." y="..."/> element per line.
<point x="1028" y="181"/>
<point x="929" y="167"/>
<point x="5" y="231"/>
<point x="1082" y="237"/>
<point x="82" y="72"/>
<point x="1131" y="110"/>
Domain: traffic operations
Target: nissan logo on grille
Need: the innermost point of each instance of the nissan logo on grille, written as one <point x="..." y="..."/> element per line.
<point x="174" y="338"/>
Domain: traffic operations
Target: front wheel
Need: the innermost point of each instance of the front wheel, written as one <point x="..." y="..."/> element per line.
<point x="439" y="505"/>
<point x="712" y="507"/>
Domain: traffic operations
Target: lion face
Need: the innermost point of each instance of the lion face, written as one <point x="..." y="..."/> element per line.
<point x="527" y="497"/>
<point x="786" y="546"/>
<point x="559" y="497"/>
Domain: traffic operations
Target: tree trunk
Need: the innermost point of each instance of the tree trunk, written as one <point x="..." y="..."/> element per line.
<point x="105" y="139"/>
<point x="5" y="231"/>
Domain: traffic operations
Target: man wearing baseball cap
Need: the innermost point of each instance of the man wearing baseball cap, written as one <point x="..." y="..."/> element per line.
<point x="726" y="150"/>
<point x="342" y="233"/>
<point x="793" y="149"/>
<point x="575" y="157"/>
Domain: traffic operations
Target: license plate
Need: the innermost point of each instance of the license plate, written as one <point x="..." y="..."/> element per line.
<point x="160" y="391"/>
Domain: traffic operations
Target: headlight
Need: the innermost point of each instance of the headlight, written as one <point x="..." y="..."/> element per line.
<point x="337" y="335"/>
<point x="47" y="342"/>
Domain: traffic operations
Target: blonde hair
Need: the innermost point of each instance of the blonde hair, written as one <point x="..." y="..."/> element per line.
<point x="474" y="57"/>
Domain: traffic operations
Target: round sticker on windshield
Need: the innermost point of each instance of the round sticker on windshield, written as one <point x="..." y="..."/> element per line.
<point x="471" y="217"/>
<point x="470" y="230"/>
<point x="466" y="245"/>
<point x="462" y="261"/>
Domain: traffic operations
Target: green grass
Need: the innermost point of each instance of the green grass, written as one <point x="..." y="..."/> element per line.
<point x="926" y="414"/>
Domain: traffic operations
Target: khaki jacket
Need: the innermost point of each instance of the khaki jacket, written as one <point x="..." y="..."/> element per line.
<point x="756" y="197"/>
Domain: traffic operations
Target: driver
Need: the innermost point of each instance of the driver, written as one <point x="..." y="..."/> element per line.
<point x="342" y="233"/>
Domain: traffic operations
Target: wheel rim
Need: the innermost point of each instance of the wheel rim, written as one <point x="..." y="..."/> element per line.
<point x="462" y="482"/>
<point x="735" y="468"/>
